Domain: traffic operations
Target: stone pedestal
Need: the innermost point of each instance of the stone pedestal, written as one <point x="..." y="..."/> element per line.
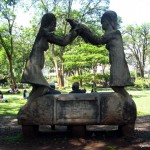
<point x="80" y="110"/>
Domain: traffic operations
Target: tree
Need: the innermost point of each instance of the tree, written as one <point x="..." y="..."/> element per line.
<point x="81" y="59"/>
<point x="12" y="38"/>
<point x="137" y="42"/>
<point x="23" y="46"/>
<point x="3" y="63"/>
<point x="6" y="32"/>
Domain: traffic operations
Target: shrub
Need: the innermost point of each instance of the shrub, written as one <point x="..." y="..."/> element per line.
<point x="142" y="82"/>
<point x="88" y="78"/>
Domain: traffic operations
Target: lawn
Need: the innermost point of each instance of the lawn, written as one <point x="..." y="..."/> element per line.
<point x="15" y="101"/>
<point x="142" y="101"/>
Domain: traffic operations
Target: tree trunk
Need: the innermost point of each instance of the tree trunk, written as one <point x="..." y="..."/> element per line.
<point x="62" y="67"/>
<point x="141" y="70"/>
<point x="62" y="75"/>
<point x="56" y="65"/>
<point x="13" y="80"/>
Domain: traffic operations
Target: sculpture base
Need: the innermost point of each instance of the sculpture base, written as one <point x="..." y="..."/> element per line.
<point x="79" y="110"/>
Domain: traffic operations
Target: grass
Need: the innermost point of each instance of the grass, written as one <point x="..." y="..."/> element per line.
<point x="16" y="101"/>
<point x="142" y="101"/>
<point x="12" y="139"/>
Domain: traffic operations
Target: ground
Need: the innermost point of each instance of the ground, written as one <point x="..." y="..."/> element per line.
<point x="98" y="137"/>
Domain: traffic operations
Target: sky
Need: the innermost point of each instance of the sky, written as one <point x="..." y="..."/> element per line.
<point x="131" y="12"/>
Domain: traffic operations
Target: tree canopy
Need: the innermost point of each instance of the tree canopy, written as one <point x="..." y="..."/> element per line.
<point x="78" y="58"/>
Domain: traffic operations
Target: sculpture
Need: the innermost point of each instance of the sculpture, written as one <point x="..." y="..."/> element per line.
<point x="78" y="110"/>
<point x="119" y="72"/>
<point x="33" y="70"/>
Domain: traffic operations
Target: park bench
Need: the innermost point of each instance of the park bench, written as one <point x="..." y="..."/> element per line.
<point x="79" y="110"/>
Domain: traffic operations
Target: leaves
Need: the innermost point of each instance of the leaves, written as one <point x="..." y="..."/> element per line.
<point x="137" y="45"/>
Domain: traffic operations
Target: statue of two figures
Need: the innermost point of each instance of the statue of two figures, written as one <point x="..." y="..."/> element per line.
<point x="112" y="38"/>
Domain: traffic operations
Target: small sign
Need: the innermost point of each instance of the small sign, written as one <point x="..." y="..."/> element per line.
<point x="76" y="111"/>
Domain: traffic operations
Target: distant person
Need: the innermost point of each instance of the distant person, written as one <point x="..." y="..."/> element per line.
<point x="76" y="89"/>
<point x="52" y="89"/>
<point x="16" y="91"/>
<point x="13" y="90"/>
<point x="25" y="94"/>
<point x="93" y="87"/>
<point x="2" y="99"/>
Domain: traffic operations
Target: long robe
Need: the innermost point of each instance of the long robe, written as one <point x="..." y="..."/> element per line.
<point x="33" y="70"/>
<point x="119" y="71"/>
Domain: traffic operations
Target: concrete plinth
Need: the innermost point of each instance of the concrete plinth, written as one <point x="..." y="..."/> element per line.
<point x="80" y="110"/>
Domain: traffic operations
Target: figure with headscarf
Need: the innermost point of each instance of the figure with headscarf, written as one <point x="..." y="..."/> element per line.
<point x="119" y="71"/>
<point x="33" y="70"/>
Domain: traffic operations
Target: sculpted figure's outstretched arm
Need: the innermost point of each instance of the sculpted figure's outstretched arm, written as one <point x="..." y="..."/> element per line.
<point x="89" y="37"/>
<point x="61" y="40"/>
<point x="64" y="40"/>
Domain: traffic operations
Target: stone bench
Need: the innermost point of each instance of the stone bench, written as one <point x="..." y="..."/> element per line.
<point x="79" y="110"/>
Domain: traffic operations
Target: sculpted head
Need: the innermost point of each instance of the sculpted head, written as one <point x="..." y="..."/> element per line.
<point x="48" y="21"/>
<point x="109" y="17"/>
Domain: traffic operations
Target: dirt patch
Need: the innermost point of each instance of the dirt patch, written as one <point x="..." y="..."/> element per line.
<point x="97" y="137"/>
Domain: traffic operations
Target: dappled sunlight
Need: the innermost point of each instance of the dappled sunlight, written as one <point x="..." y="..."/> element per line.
<point x="13" y="105"/>
<point x="75" y="142"/>
<point x="8" y="121"/>
<point x="87" y="144"/>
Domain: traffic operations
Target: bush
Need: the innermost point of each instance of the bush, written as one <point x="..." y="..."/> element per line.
<point x="142" y="83"/>
<point x="87" y="79"/>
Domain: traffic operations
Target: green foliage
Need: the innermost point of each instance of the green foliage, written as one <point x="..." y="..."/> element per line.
<point x="111" y="148"/>
<point x="15" y="101"/>
<point x="88" y="78"/>
<point x="142" y="82"/>
<point x="3" y="63"/>
<point x="85" y="57"/>
<point x="137" y="45"/>
<point x="22" y="38"/>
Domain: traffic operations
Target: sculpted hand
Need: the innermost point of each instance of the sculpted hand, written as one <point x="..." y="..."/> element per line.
<point x="83" y="31"/>
<point x="73" y="23"/>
